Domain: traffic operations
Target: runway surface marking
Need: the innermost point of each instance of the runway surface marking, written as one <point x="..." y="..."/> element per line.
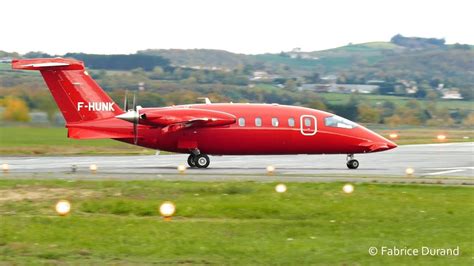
<point x="455" y="170"/>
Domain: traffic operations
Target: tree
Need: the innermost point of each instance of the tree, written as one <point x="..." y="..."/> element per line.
<point x="317" y="104"/>
<point x="469" y="121"/>
<point x="44" y="102"/>
<point x="393" y="120"/>
<point x="313" y="78"/>
<point x="15" y="110"/>
<point x="388" y="108"/>
<point x="368" y="114"/>
<point x="467" y="93"/>
<point x="290" y="85"/>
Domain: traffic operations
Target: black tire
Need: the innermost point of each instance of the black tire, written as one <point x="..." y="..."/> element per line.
<point x="191" y="159"/>
<point x="352" y="164"/>
<point x="202" y="161"/>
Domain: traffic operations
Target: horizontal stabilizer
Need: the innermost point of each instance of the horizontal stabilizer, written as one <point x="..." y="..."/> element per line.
<point x="47" y="63"/>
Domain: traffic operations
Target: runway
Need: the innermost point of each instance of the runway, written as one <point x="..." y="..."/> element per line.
<point x="450" y="161"/>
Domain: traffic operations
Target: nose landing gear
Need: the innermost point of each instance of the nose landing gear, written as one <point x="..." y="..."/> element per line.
<point x="199" y="160"/>
<point x="351" y="162"/>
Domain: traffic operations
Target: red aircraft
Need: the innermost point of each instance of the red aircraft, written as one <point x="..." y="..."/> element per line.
<point x="199" y="129"/>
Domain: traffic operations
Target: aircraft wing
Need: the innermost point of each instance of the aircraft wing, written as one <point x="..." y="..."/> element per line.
<point x="173" y="119"/>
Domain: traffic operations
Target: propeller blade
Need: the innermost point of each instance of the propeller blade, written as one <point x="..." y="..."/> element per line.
<point x="125" y="102"/>
<point x="135" y="133"/>
<point x="135" y="120"/>
<point x="134" y="102"/>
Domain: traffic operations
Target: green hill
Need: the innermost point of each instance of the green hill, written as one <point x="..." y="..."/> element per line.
<point x="200" y="57"/>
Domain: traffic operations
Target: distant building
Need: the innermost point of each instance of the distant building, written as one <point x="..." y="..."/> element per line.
<point x="263" y="76"/>
<point x="59" y="119"/>
<point x="141" y="86"/>
<point x="5" y="60"/>
<point x="316" y="87"/>
<point x="351" y="88"/>
<point x="375" y="81"/>
<point x="407" y="86"/>
<point x="451" y="94"/>
<point x="260" y="75"/>
<point x="340" y="88"/>
<point x="411" y="90"/>
<point x="329" y="79"/>
<point x="297" y="53"/>
<point x="38" y="117"/>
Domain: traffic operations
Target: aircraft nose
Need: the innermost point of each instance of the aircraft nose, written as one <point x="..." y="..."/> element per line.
<point x="374" y="142"/>
<point x="391" y="145"/>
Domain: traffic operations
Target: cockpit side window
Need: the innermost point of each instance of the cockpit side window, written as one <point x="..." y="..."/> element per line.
<point x="337" y="121"/>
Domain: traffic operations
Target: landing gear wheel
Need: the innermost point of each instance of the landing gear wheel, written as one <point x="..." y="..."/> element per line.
<point x="202" y="160"/>
<point x="352" y="164"/>
<point x="191" y="159"/>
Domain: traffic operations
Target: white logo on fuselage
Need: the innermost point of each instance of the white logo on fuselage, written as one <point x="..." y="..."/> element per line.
<point x="96" y="106"/>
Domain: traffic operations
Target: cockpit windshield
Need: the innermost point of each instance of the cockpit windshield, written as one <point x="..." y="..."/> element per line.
<point x="337" y="121"/>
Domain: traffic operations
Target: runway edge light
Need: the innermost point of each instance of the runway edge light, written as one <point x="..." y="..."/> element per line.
<point x="93" y="167"/>
<point x="393" y="135"/>
<point x="63" y="207"/>
<point x="348" y="188"/>
<point x="280" y="188"/>
<point x="5" y="167"/>
<point x="409" y="171"/>
<point x="167" y="209"/>
<point x="270" y="169"/>
<point x="181" y="168"/>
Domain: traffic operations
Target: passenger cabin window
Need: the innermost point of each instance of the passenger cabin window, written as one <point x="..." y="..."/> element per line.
<point x="275" y="122"/>
<point x="291" y="122"/>
<point x="307" y="122"/>
<point x="242" y="122"/>
<point x="258" y="122"/>
<point x="337" y="121"/>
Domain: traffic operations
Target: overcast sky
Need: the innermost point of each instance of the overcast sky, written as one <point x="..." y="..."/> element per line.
<point x="95" y="26"/>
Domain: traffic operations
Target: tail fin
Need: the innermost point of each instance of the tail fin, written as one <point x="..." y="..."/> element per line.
<point x="77" y="95"/>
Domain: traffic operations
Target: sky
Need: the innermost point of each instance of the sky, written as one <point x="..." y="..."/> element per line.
<point x="240" y="26"/>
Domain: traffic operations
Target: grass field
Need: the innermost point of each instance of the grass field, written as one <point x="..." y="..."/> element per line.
<point x="54" y="141"/>
<point x="243" y="223"/>
<point x="49" y="141"/>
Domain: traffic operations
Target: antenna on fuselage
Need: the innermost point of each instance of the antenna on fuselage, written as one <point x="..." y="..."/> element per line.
<point x="206" y="100"/>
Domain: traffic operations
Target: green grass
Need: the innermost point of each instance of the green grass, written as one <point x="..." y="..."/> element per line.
<point x="243" y="223"/>
<point x="48" y="141"/>
<point x="424" y="135"/>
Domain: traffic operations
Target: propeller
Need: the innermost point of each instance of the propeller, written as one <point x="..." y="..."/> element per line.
<point x="131" y="115"/>
<point x="135" y="120"/>
<point x="125" y="101"/>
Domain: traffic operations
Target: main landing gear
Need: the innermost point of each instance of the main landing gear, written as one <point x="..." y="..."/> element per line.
<point x="199" y="160"/>
<point x="351" y="162"/>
